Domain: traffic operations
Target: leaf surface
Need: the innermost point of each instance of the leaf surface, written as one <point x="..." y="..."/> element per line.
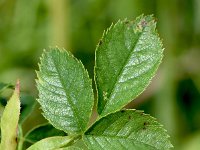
<point x="51" y="143"/>
<point x="70" y="148"/>
<point x="127" y="129"/>
<point x="127" y="58"/>
<point x="65" y="91"/>
<point x="9" y="122"/>
<point x="78" y="145"/>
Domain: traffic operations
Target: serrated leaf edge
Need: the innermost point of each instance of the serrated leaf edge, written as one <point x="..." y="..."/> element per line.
<point x="45" y="52"/>
<point x="159" y="125"/>
<point x="152" y="21"/>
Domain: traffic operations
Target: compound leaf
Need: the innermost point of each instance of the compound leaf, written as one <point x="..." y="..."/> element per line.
<point x="9" y="122"/>
<point x="65" y="91"/>
<point x="127" y="58"/>
<point x="127" y="129"/>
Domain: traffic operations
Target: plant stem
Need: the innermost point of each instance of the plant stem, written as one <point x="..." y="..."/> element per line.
<point x="20" y="137"/>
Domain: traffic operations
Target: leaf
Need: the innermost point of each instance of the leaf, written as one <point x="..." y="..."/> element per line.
<point x="127" y="129"/>
<point x="127" y="58"/>
<point x="27" y="105"/>
<point x="9" y="121"/>
<point x="42" y="131"/>
<point x="78" y="145"/>
<point x="70" y="148"/>
<point x="51" y="143"/>
<point x="65" y="91"/>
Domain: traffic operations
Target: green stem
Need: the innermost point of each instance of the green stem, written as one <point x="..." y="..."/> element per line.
<point x="20" y="137"/>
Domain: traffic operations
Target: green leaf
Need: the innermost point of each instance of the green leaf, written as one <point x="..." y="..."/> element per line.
<point x="77" y="145"/>
<point x="127" y="58"/>
<point x="27" y="105"/>
<point x="127" y="129"/>
<point x="70" y="148"/>
<point x="65" y="91"/>
<point x="52" y="143"/>
<point x="9" y="121"/>
<point x="42" y="131"/>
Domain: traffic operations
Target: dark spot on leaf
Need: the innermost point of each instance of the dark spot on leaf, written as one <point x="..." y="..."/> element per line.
<point x="143" y="23"/>
<point x="129" y="117"/>
<point x="144" y="128"/>
<point x="100" y="42"/>
<point x="126" y="22"/>
<point x="146" y="123"/>
<point x="122" y="111"/>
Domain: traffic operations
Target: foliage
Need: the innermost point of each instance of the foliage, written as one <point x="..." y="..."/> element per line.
<point x="26" y="27"/>
<point x="9" y="122"/>
<point x="127" y="57"/>
<point x="65" y="91"/>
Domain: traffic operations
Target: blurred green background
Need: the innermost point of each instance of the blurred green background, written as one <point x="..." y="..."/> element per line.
<point x="29" y="26"/>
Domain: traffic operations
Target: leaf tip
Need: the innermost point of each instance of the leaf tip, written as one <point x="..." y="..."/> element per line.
<point x="17" y="87"/>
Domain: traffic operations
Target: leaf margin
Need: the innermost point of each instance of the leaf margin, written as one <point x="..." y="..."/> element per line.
<point x="140" y="112"/>
<point x="105" y="33"/>
<point x="68" y="53"/>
